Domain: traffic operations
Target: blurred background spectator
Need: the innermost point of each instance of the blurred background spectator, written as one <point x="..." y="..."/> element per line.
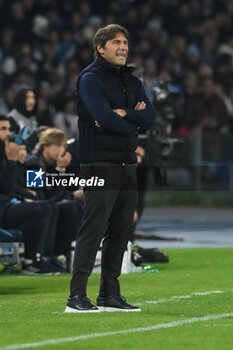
<point x="45" y="44"/>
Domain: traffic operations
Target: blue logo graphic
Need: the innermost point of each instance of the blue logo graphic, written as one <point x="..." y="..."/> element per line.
<point x="35" y="178"/>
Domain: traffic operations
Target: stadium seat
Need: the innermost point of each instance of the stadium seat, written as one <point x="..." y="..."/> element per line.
<point x="10" y="246"/>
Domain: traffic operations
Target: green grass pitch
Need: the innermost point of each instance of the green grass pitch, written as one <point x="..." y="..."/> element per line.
<point x="32" y="308"/>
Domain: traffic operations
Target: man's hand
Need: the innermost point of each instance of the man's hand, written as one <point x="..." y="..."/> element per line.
<point x="140" y="105"/>
<point x="64" y="160"/>
<point x="12" y="150"/>
<point x="79" y="194"/>
<point x="121" y="112"/>
<point x="34" y="193"/>
<point x="135" y="217"/>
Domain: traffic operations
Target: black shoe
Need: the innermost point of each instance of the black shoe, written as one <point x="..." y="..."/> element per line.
<point x="144" y="255"/>
<point x="37" y="269"/>
<point x="151" y="255"/>
<point x="44" y="265"/>
<point x="115" y="303"/>
<point x="136" y="258"/>
<point x="58" y="263"/>
<point x="80" y="303"/>
<point x="38" y="266"/>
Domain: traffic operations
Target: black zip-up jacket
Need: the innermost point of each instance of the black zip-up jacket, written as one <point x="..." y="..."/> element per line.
<point x="7" y="173"/>
<point x="102" y="87"/>
<point x="7" y="180"/>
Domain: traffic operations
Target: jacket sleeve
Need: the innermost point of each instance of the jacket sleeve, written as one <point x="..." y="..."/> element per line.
<point x="144" y="118"/>
<point x="7" y="178"/>
<point x="91" y="91"/>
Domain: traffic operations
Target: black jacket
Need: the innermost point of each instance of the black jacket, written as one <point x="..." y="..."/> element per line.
<point x="102" y="87"/>
<point x="4" y="202"/>
<point x="7" y="173"/>
<point x="7" y="180"/>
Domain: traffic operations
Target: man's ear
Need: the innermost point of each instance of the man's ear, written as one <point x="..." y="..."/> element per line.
<point x="100" y="49"/>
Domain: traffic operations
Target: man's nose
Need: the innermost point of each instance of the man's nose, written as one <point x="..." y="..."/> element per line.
<point x="123" y="47"/>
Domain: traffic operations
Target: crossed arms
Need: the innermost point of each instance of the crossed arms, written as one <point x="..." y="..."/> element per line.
<point x="125" y="121"/>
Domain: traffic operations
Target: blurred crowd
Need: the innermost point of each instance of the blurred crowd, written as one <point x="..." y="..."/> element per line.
<point x="45" y="44"/>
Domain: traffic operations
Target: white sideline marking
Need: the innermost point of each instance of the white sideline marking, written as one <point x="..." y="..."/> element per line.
<point x="218" y="325"/>
<point x="178" y="297"/>
<point x="126" y="331"/>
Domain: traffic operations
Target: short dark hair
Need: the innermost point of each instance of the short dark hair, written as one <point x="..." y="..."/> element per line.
<point x="3" y="118"/>
<point x="107" y="33"/>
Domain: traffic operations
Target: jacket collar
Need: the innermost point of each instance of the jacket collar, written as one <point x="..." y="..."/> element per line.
<point x="123" y="70"/>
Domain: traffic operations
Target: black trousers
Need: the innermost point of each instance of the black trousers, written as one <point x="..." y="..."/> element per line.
<point x="70" y="215"/>
<point x="108" y="214"/>
<point x="65" y="220"/>
<point x="48" y="227"/>
<point x="34" y="220"/>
